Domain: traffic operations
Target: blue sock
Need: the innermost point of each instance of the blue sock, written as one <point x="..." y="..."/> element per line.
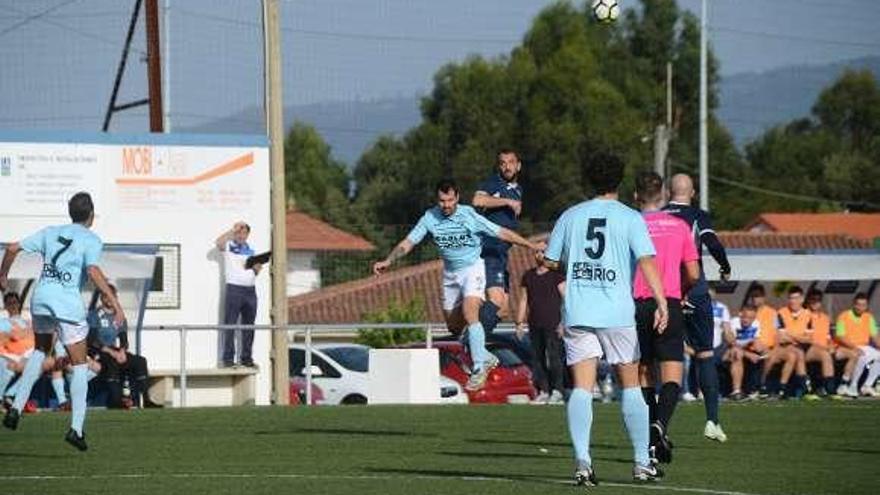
<point x="709" y="385"/>
<point x="58" y="387"/>
<point x="580" y="423"/>
<point x="6" y="376"/>
<point x="477" y="343"/>
<point x="489" y="316"/>
<point x="79" y="388"/>
<point x="32" y="371"/>
<point x="635" y="418"/>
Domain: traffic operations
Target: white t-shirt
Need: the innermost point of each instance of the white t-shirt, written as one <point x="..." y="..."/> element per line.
<point x="236" y="255"/>
<point x="720" y="315"/>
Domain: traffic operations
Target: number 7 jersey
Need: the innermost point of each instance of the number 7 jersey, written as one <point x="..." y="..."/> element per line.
<point x="67" y="250"/>
<point x="597" y="242"/>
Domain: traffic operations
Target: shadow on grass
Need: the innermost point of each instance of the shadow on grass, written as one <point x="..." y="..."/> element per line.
<point x="534" y="443"/>
<point x="29" y="455"/>
<point x="468" y="475"/>
<point x="513" y="455"/>
<point x="855" y="451"/>
<point x="344" y="431"/>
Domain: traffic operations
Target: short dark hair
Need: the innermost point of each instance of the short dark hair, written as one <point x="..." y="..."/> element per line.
<point x="749" y="306"/>
<point x="80" y="207"/>
<point x="860" y="296"/>
<point x="11" y="295"/>
<point x="506" y="150"/>
<point x="604" y="172"/>
<point x="447" y="185"/>
<point x="814" y="294"/>
<point x="795" y="289"/>
<point x="649" y="186"/>
<point x="757" y="291"/>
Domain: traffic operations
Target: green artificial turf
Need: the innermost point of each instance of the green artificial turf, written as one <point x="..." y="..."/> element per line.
<point x="774" y="448"/>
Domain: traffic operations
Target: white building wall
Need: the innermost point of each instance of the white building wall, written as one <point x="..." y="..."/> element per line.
<point x="302" y="272"/>
<point x="149" y="189"/>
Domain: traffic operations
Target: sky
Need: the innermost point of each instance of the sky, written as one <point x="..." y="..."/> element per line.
<point x="59" y="57"/>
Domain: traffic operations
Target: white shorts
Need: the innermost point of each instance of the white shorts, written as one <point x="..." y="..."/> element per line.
<point x="467" y="282"/>
<point x="69" y="333"/>
<point x="871" y="354"/>
<point x="618" y="345"/>
<point x="16" y="358"/>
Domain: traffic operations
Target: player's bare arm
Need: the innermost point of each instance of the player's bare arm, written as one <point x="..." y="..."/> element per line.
<point x="652" y="276"/>
<point x="100" y="281"/>
<point x="514" y="238"/>
<point x="483" y="199"/>
<point x="400" y="250"/>
<point x="12" y="251"/>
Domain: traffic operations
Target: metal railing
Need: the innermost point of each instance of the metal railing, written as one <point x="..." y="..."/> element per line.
<point x="307" y="330"/>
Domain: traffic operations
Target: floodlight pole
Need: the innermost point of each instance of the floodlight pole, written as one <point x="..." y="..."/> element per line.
<point x="704" y="111"/>
<point x="275" y="129"/>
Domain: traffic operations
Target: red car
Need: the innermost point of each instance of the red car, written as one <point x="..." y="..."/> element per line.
<point x="509" y="382"/>
<point x="298" y="392"/>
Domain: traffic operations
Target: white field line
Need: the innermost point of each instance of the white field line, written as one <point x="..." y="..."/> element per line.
<point x="498" y="479"/>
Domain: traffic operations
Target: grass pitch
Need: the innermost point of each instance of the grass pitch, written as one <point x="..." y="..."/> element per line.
<point x="774" y="448"/>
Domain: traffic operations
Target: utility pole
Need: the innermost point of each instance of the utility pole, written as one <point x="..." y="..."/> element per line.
<point x="663" y="132"/>
<point x="704" y="111"/>
<point x="166" y="38"/>
<point x="154" y="65"/>
<point x="275" y="130"/>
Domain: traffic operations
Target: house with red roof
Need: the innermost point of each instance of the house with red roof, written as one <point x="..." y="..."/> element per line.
<point x="858" y="225"/>
<point x="307" y="237"/>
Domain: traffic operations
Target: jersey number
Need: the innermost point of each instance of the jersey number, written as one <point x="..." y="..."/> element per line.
<point x="594" y="232"/>
<point x="64" y="242"/>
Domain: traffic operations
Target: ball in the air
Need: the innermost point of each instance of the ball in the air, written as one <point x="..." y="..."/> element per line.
<point x="605" y="10"/>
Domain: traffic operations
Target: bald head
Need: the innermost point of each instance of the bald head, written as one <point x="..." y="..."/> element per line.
<point x="681" y="188"/>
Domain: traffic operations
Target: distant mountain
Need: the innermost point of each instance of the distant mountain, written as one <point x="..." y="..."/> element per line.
<point x="350" y="127"/>
<point x="752" y="102"/>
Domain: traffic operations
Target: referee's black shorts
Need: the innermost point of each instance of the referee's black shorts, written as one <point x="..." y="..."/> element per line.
<point x="654" y="346"/>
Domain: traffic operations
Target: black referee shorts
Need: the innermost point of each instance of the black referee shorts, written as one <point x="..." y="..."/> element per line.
<point x="654" y="346"/>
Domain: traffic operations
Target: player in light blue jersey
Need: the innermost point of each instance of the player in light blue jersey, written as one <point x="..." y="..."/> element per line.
<point x="70" y="255"/>
<point x="598" y="243"/>
<point x="456" y="230"/>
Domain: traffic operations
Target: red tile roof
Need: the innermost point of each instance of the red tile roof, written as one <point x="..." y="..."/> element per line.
<point x="859" y="225"/>
<point x="348" y="302"/>
<point x="306" y="233"/>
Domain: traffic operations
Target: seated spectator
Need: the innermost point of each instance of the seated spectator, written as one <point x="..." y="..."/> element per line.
<point x="743" y="347"/>
<point x="855" y="331"/>
<point x="795" y="326"/>
<point x="772" y="343"/>
<point x="16" y="341"/>
<point x="111" y="345"/>
<point x="821" y="346"/>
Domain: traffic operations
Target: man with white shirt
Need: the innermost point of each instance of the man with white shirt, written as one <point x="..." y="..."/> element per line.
<point x="241" y="296"/>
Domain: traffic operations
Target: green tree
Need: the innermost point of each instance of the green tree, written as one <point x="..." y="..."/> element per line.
<point x="412" y="311"/>
<point x="315" y="180"/>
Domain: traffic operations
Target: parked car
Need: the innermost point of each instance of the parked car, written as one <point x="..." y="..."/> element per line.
<point x="341" y="372"/>
<point x="511" y="381"/>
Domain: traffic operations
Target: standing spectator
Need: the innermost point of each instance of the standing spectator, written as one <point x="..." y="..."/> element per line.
<point x="499" y="199"/>
<point x="241" y="296"/>
<point x="541" y="299"/>
<point x="855" y="331"/>
<point x="110" y="340"/>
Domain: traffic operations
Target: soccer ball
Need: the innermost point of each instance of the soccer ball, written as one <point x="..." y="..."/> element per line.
<point x="605" y="10"/>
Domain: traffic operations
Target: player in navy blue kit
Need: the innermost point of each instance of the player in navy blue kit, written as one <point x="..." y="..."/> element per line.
<point x="499" y="199"/>
<point x="699" y="319"/>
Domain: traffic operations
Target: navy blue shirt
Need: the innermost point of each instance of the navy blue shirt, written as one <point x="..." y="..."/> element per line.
<point x="504" y="216"/>
<point x="701" y="226"/>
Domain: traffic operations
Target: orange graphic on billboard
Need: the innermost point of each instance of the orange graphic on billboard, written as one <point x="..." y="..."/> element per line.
<point x="138" y="162"/>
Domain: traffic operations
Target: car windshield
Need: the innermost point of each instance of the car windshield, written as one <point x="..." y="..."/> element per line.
<point x="508" y="358"/>
<point x="351" y="358"/>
